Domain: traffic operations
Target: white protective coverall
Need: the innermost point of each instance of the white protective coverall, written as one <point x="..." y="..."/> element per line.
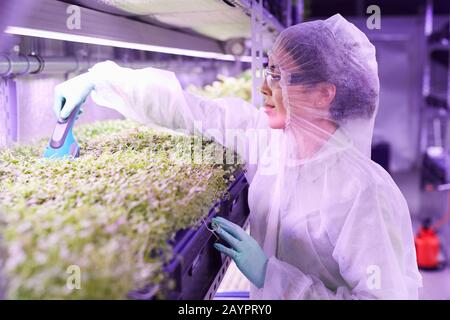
<point x="332" y="223"/>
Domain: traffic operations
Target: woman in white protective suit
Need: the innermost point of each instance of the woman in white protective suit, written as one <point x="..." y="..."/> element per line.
<point x="325" y="221"/>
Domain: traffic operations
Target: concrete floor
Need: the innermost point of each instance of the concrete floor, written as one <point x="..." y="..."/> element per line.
<point x="436" y="284"/>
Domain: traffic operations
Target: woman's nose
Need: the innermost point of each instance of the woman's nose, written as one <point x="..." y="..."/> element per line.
<point x="264" y="89"/>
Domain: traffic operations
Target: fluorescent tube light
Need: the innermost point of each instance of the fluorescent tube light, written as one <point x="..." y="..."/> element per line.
<point x="120" y="44"/>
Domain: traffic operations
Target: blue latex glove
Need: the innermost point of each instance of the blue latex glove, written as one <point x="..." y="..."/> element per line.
<point x="71" y="93"/>
<point x="245" y="251"/>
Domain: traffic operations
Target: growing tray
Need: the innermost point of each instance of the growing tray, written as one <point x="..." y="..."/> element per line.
<point x="197" y="268"/>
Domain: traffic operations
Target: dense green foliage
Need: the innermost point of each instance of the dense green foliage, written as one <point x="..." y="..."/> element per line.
<point x="126" y="195"/>
<point x="240" y="87"/>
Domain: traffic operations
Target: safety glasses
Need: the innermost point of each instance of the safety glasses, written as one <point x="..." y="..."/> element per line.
<point x="272" y="78"/>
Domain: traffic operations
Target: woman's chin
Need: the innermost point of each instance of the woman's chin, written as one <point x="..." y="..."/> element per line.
<point x="276" y="123"/>
<point x="276" y="117"/>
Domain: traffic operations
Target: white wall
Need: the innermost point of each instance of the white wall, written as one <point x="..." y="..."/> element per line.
<point x="400" y="46"/>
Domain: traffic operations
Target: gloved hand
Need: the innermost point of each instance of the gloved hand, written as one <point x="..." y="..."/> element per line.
<point x="245" y="251"/>
<point x="71" y="93"/>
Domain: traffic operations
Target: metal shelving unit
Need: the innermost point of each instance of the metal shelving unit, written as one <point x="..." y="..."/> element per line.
<point x="434" y="144"/>
<point x="107" y="28"/>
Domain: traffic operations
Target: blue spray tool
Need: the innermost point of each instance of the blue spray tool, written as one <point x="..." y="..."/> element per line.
<point x="62" y="142"/>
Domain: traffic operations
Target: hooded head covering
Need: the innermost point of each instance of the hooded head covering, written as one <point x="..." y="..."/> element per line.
<point x="311" y="57"/>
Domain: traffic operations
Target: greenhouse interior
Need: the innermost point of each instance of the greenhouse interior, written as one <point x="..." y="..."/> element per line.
<point x="132" y="149"/>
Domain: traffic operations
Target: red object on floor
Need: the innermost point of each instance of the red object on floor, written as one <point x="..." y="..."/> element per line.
<point x="427" y="248"/>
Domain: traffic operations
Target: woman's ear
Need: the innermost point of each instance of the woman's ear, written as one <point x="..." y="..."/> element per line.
<point x="327" y="92"/>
